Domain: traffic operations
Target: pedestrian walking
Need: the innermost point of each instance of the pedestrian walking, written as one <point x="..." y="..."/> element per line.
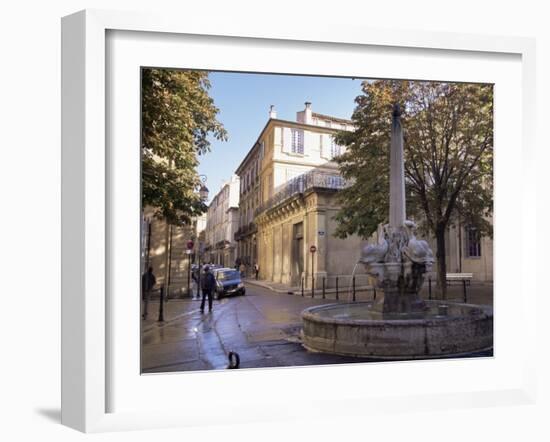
<point x="242" y="269"/>
<point x="208" y="283"/>
<point x="195" y="277"/>
<point x="256" y="270"/>
<point x="148" y="281"/>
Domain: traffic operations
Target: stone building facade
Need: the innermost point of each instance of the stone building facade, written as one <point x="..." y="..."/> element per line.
<point x="288" y="199"/>
<point x="249" y="201"/>
<point x="468" y="252"/>
<point x="222" y="221"/>
<point x="158" y="240"/>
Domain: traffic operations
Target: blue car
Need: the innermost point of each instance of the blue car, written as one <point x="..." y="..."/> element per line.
<point x="228" y="282"/>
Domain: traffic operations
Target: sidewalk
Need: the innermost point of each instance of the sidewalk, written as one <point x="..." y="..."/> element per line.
<point x="476" y="292"/>
<point x="174" y="309"/>
<point x="273" y="286"/>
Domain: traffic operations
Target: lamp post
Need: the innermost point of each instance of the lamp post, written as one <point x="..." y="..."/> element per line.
<point x="190" y="245"/>
<point x="203" y="190"/>
<point x="203" y="194"/>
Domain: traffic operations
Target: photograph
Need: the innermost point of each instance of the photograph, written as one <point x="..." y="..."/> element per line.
<point x="305" y="220"/>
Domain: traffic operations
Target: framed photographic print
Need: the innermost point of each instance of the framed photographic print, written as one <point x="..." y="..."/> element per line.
<point x="262" y="220"/>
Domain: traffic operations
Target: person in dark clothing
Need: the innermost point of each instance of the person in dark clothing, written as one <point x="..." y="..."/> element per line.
<point x="208" y="284"/>
<point x="148" y="281"/>
<point x="195" y="277"/>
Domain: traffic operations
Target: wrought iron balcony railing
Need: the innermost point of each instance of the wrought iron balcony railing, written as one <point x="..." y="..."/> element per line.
<point x="301" y="184"/>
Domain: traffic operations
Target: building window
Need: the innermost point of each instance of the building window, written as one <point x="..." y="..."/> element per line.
<point x="297" y="141"/>
<point x="335" y="149"/>
<point x="473" y="242"/>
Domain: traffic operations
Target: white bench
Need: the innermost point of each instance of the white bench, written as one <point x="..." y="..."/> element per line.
<point x="459" y="277"/>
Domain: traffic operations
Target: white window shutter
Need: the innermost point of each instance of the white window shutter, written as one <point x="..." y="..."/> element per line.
<point x="287" y="139"/>
<point x="325" y="150"/>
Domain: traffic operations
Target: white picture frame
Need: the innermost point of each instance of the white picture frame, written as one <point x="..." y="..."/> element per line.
<point x="86" y="315"/>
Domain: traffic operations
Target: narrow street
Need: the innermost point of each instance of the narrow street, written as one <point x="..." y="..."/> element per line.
<point x="262" y="327"/>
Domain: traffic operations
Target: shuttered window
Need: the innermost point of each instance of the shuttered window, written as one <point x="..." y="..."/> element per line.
<point x="473" y="242"/>
<point x="297" y="141"/>
<point x="335" y="149"/>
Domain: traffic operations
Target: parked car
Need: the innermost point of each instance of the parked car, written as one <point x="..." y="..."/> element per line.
<point x="228" y="282"/>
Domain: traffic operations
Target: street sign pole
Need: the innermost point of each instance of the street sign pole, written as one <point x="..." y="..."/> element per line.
<point x="312" y="249"/>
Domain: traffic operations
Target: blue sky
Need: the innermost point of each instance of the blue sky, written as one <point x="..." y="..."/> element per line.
<point x="244" y="100"/>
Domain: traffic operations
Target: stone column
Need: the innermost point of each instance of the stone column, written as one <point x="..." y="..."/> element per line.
<point x="307" y="263"/>
<point x="397" y="172"/>
<point x="320" y="241"/>
<point x="277" y="253"/>
<point x="286" y="252"/>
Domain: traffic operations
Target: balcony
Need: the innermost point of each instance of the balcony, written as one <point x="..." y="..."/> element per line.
<point x="301" y="184"/>
<point x="245" y="230"/>
<point x="222" y="244"/>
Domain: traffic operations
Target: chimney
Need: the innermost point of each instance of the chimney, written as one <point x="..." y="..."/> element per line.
<point x="308" y="119"/>
<point x="272" y="112"/>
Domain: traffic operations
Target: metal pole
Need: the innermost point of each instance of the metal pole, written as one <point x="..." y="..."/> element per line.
<point x="148" y="253"/>
<point x="302" y="281"/>
<point x="353" y="282"/>
<point x="161" y="306"/>
<point x="337" y="288"/>
<point x="189" y="274"/>
<point x="169" y="269"/>
<point x="430" y="288"/>
<point x="199" y="277"/>
<point x="312" y="275"/>
<point x="323" y="287"/>
<point x="374" y="288"/>
<point x="464" y="288"/>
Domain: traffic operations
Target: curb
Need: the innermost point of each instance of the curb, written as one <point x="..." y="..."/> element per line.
<point x="266" y="286"/>
<point x="296" y="290"/>
<point x="168" y="321"/>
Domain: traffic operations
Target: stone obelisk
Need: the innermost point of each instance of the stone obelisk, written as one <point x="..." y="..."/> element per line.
<point x="397" y="172"/>
<point x="399" y="261"/>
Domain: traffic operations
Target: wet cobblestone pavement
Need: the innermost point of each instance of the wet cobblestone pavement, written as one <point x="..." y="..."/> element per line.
<point x="263" y="327"/>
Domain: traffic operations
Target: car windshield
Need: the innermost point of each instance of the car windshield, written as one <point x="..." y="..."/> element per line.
<point x="228" y="274"/>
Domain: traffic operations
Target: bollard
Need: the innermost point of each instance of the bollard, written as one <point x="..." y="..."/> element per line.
<point x="312" y="286"/>
<point x="353" y="282"/>
<point x="234" y="360"/>
<point x="464" y="288"/>
<point x="374" y="289"/>
<point x="323" y="287"/>
<point x="337" y="288"/>
<point x="161" y="305"/>
<point x="430" y="288"/>
<point x="302" y="287"/>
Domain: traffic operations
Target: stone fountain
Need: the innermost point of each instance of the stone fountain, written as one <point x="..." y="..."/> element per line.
<point x="403" y="325"/>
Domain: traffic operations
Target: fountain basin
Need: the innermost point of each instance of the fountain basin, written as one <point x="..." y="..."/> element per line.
<point x="361" y="329"/>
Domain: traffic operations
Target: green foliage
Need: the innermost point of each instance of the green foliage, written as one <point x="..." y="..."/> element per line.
<point x="448" y="130"/>
<point x="178" y="117"/>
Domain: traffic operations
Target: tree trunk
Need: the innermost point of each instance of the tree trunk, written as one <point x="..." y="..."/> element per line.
<point x="441" y="260"/>
<point x="167" y="258"/>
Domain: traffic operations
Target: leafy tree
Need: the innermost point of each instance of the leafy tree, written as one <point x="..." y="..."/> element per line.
<point x="448" y="136"/>
<point x="178" y="119"/>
